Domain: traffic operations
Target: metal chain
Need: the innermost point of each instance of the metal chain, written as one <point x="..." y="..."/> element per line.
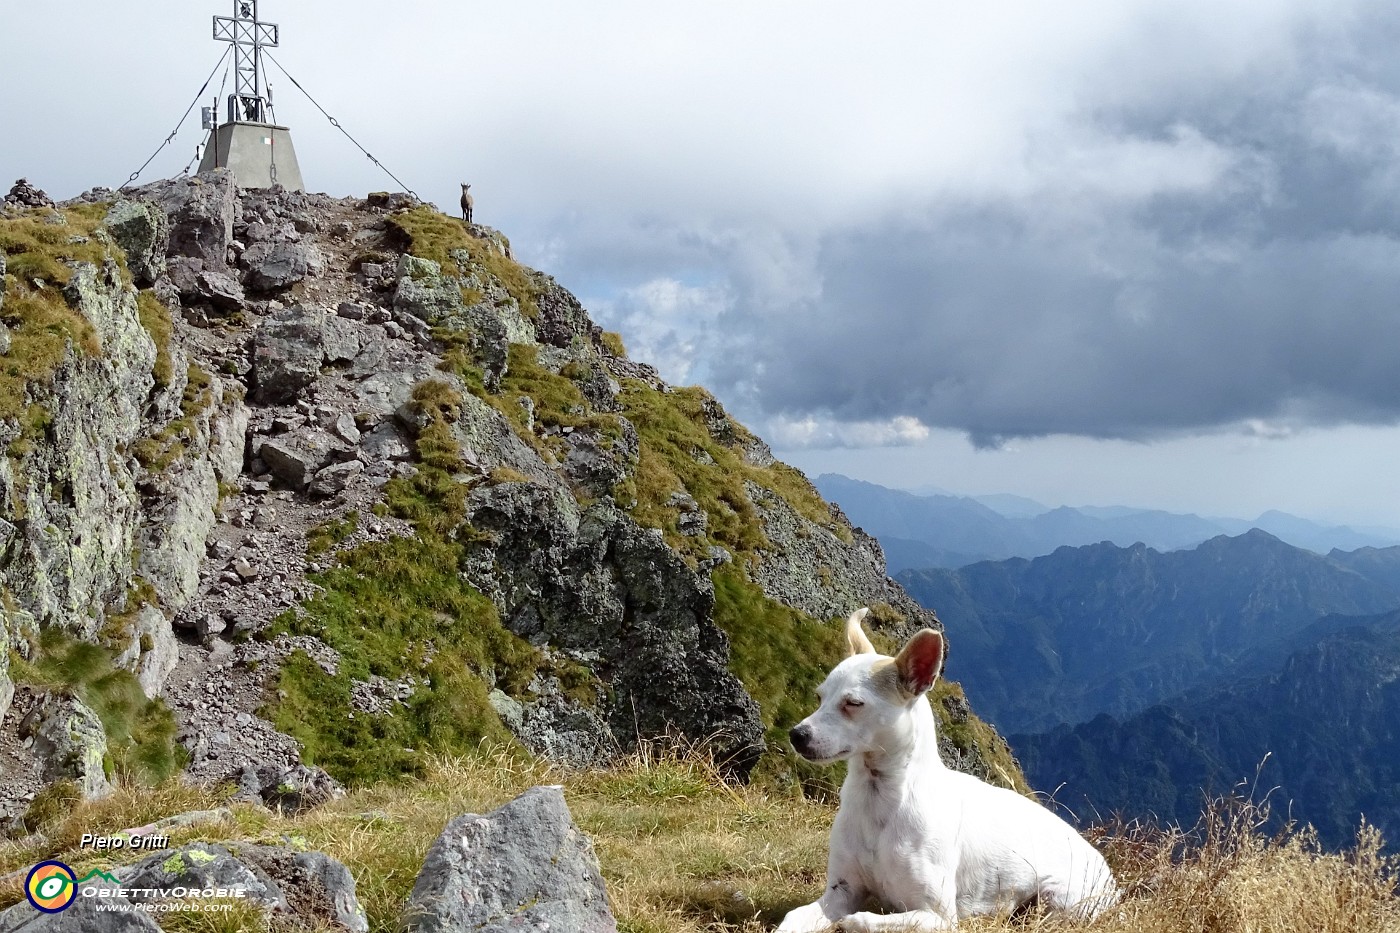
<point x="171" y="138"/>
<point x="336" y="123"/>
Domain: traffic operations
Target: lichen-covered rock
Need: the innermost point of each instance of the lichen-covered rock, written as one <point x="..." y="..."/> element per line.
<point x="69" y="740"/>
<point x="813" y="569"/>
<point x="180" y="500"/>
<point x="524" y="866"/>
<point x="201" y="865"/>
<point x="152" y="650"/>
<point x="485" y="439"/>
<point x="142" y="231"/>
<point x="598" y="584"/>
<point x="72" y="552"/>
<point x="7" y="686"/>
<point x="288" y="789"/>
<point x="563" y="322"/>
<point x="333" y="479"/>
<point x="423" y="291"/>
<point x="596" y="463"/>
<point x="556" y="728"/>
<point x="288" y="349"/>
<point x="336" y="885"/>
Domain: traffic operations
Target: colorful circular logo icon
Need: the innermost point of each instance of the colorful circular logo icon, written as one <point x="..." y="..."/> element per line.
<point x="51" y="886"/>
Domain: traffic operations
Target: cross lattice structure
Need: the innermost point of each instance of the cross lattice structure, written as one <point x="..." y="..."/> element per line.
<point x="249" y="36"/>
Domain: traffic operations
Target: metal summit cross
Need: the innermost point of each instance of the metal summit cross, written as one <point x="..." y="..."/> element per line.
<point x="257" y="152"/>
<point x="249" y="36"/>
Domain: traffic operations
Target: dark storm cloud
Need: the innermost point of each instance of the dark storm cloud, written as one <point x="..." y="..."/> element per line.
<point x="1263" y="289"/>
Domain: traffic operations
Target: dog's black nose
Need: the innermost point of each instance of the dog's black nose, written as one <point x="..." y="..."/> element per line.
<point x="801" y="737"/>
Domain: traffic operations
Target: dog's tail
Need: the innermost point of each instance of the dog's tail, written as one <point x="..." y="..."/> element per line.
<point x="855" y="636"/>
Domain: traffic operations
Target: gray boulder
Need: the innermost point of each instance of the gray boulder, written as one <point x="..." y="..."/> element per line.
<point x="290" y="789"/>
<point x="524" y="866"/>
<point x="333" y="479"/>
<point x="142" y="231"/>
<point x="385" y="444"/>
<point x="196" y="282"/>
<point x="297" y="458"/>
<point x="288" y="350"/>
<point x="152" y="650"/>
<point x="334" y="881"/>
<point x="201" y="212"/>
<point x="274" y="266"/>
<point x="562" y="321"/>
<point x="69" y="740"/>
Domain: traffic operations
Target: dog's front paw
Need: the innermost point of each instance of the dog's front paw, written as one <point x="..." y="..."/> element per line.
<point x="808" y="919"/>
<point x="862" y="922"/>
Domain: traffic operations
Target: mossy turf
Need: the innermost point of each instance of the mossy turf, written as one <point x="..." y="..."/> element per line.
<point x="445" y="240"/>
<point x="140" y="731"/>
<point x="155" y="317"/>
<point x="680" y="454"/>
<point x="164" y="448"/>
<point x="41" y="247"/>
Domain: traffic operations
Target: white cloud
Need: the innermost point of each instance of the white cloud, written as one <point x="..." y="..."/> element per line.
<point x="811" y="432"/>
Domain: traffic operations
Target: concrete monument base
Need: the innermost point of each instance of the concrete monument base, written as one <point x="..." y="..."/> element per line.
<point x="261" y="155"/>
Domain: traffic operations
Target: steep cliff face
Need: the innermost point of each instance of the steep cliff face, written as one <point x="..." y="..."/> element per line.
<point x="449" y="509"/>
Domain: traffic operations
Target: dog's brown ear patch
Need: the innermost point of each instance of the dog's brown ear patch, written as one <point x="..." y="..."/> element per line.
<point x="920" y="661"/>
<point x="855" y="636"/>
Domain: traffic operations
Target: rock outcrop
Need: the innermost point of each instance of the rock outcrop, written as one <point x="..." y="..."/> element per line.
<point x="524" y="866"/>
<point x="288" y="397"/>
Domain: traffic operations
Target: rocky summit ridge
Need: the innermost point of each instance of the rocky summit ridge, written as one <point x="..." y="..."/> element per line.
<point x="300" y="490"/>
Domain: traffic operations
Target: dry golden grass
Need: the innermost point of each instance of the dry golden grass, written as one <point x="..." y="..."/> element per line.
<point x="682" y="852"/>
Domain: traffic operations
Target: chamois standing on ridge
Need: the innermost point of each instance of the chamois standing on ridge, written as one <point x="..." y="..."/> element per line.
<point x="467" y="203"/>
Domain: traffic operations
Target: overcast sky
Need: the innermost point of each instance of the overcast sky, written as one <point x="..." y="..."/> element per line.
<point x="1109" y="252"/>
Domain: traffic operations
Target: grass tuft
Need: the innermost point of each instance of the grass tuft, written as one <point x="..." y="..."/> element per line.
<point x="40" y="258"/>
<point x="140" y="731"/>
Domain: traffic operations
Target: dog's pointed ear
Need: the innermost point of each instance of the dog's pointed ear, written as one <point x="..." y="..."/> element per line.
<point x="855" y="637"/>
<point x="920" y="661"/>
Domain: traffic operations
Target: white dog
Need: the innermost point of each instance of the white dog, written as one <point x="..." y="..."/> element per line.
<point x="928" y="842"/>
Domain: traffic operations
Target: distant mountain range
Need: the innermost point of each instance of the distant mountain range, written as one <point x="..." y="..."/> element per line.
<point x="1320" y="739"/>
<point x="1106" y="629"/>
<point x="938" y="530"/>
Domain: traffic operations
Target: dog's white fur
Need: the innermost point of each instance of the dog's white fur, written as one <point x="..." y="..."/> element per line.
<point x="930" y="843"/>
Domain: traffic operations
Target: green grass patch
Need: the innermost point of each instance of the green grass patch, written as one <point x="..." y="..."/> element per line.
<point x="612" y="343"/>
<point x="329" y="534"/>
<point x="155" y="317"/>
<point x="140" y="731"/>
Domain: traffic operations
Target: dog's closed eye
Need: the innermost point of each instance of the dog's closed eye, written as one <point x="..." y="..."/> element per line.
<point x="850" y="704"/>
